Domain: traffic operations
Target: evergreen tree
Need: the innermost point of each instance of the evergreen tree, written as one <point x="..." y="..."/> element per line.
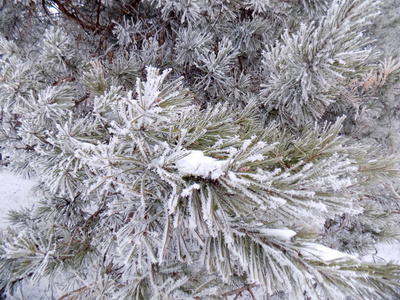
<point x="199" y="149"/>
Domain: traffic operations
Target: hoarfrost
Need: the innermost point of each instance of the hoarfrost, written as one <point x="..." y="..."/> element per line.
<point x="318" y="206"/>
<point x="186" y="192"/>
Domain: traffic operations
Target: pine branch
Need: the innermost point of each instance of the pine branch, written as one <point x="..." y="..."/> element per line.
<point x="82" y="99"/>
<point x="77" y="291"/>
<point x="75" y="19"/>
<point x="239" y="291"/>
<point x="67" y="78"/>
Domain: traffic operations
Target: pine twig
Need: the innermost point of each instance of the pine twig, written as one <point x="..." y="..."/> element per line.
<point x="98" y="13"/>
<point x="75" y="19"/>
<point x="238" y="291"/>
<point x="80" y="290"/>
<point x="251" y="293"/>
<point x="64" y="79"/>
<point x="84" y="98"/>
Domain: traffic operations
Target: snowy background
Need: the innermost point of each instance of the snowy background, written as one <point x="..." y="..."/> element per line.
<point x="15" y="192"/>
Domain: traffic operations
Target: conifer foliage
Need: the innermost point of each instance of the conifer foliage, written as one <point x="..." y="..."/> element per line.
<point x="197" y="149"/>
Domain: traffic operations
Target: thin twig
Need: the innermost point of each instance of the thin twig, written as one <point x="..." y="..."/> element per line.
<point x="80" y="290"/>
<point x="79" y="101"/>
<point x="74" y="18"/>
<point x="66" y="78"/>
<point x="98" y="13"/>
<point x="46" y="11"/>
<point x="251" y="293"/>
<point x="241" y="290"/>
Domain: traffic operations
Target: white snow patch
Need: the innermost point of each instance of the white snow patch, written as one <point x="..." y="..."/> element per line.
<point x="34" y="291"/>
<point x="324" y="253"/>
<point x="197" y="164"/>
<point x="281" y="234"/>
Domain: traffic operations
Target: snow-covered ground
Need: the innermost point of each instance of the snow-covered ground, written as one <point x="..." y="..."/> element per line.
<point x="14" y="193"/>
<point x="385" y="253"/>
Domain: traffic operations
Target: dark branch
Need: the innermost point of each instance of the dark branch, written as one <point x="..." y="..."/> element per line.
<point x="79" y="101"/>
<point x="80" y="290"/>
<point x="238" y="291"/>
<point x="75" y="19"/>
<point x="98" y="13"/>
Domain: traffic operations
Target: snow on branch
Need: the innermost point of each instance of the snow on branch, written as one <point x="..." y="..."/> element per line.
<point x="197" y="164"/>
